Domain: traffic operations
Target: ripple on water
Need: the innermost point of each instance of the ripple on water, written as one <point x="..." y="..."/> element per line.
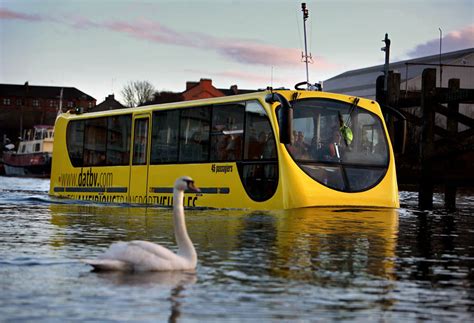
<point x="309" y="265"/>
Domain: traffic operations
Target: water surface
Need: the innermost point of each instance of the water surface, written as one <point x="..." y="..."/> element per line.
<point x="315" y="264"/>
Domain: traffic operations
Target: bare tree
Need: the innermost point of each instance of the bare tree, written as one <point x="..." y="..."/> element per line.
<point x="136" y="93"/>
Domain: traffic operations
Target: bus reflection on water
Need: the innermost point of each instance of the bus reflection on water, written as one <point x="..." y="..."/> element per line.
<point x="303" y="244"/>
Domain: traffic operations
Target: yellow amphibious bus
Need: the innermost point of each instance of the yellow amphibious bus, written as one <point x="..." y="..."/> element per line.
<point x="275" y="149"/>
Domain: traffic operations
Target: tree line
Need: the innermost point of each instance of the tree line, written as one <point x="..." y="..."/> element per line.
<point x="136" y="93"/>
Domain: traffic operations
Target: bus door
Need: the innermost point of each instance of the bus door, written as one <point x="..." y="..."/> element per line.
<point x="139" y="166"/>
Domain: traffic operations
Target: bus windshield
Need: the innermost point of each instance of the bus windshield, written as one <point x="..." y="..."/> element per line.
<point x="338" y="144"/>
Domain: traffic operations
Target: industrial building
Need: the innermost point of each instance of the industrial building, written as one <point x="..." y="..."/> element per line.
<point x="361" y="82"/>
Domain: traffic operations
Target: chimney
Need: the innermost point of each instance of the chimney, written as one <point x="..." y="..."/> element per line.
<point x="206" y="82"/>
<point x="110" y="97"/>
<point x="234" y="89"/>
<point x="190" y="85"/>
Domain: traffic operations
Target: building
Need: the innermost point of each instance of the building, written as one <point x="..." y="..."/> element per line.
<point x="204" y="89"/>
<point x="361" y="82"/>
<point x="201" y="90"/>
<point x="197" y="90"/>
<point x="108" y="104"/>
<point x="23" y="106"/>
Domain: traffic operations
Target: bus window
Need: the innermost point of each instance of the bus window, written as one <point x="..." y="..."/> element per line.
<point x="118" y="140"/>
<point x="99" y="141"/>
<point x="95" y="142"/>
<point x="140" y="140"/>
<point x="75" y="142"/>
<point x="259" y="138"/>
<point x="164" y="144"/>
<point x="321" y="150"/>
<point x="259" y="170"/>
<point x="194" y="135"/>
<point x="227" y="132"/>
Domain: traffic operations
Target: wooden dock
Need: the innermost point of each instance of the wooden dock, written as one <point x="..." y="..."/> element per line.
<point x="437" y="153"/>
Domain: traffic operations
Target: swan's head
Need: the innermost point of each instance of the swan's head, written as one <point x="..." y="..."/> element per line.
<point x="186" y="183"/>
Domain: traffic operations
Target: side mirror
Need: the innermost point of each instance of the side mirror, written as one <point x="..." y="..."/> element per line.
<point x="285" y="116"/>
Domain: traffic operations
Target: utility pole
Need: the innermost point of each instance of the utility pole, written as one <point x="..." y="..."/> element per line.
<point x="23" y="104"/>
<point x="440" y="50"/>
<point x="60" y="108"/>
<point x="386" y="49"/>
<point x="305" y="57"/>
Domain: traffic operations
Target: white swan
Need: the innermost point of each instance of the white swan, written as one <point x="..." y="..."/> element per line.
<point x="147" y="256"/>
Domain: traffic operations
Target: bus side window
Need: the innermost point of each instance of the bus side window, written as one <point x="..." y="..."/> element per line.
<point x="118" y="140"/>
<point x="75" y="142"/>
<point x="140" y="140"/>
<point x="164" y="144"/>
<point x="259" y="138"/>
<point x="227" y="132"/>
<point x="194" y="135"/>
<point x="95" y="142"/>
<point x="259" y="172"/>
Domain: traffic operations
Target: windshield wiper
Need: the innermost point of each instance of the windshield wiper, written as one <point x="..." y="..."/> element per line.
<point x="352" y="109"/>
<point x="344" y="127"/>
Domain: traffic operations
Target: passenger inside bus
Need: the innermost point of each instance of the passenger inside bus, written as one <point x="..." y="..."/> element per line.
<point x="302" y="148"/>
<point x="298" y="148"/>
<point x="327" y="150"/>
<point x="220" y="142"/>
<point x="291" y="147"/>
<point x="233" y="149"/>
<point x="335" y="144"/>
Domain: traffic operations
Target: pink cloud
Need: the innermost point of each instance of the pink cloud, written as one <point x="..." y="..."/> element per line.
<point x="248" y="52"/>
<point x="252" y="52"/>
<point x="148" y="30"/>
<point x="259" y="53"/>
<point x="8" y="14"/>
<point x="455" y="40"/>
<point x="80" y="22"/>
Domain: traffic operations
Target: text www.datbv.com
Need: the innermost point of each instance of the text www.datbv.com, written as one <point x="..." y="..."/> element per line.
<point x="86" y="178"/>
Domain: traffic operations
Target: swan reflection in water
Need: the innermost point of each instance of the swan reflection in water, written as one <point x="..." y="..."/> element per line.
<point x="165" y="279"/>
<point x="174" y="281"/>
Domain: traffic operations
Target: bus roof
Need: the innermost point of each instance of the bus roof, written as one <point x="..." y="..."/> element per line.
<point x="260" y="95"/>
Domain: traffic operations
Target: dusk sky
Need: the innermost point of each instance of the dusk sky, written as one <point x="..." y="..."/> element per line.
<point x="98" y="46"/>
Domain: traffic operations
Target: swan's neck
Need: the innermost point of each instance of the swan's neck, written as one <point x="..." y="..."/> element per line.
<point x="185" y="246"/>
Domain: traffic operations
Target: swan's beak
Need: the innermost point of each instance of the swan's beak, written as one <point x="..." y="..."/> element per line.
<point x="193" y="187"/>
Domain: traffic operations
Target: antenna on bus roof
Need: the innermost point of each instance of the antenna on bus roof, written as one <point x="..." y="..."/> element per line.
<point x="271" y="80"/>
<point x="305" y="57"/>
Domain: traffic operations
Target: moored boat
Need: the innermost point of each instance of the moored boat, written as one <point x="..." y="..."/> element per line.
<point x="33" y="156"/>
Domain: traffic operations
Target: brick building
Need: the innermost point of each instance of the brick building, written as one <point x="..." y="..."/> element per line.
<point x="204" y="90"/>
<point x="23" y="106"/>
<point x="201" y="90"/>
<point x="197" y="90"/>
